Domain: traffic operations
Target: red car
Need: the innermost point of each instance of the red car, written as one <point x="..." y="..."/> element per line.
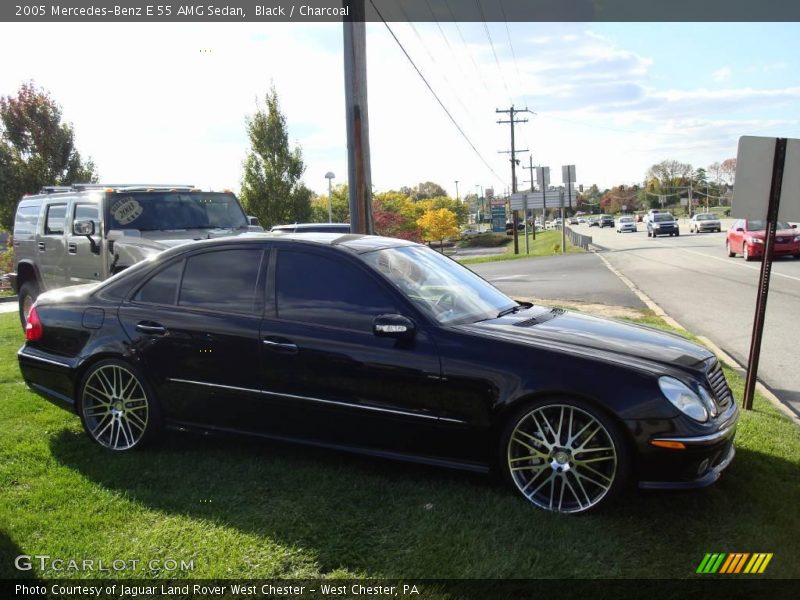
<point x="746" y="237"/>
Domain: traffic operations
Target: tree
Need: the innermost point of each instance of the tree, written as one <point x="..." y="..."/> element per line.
<point x="669" y="174"/>
<point x="728" y="170"/>
<point x="36" y="149"/>
<point x="438" y="224"/>
<point x="271" y="185"/>
<point x="340" y="206"/>
<point x="424" y="190"/>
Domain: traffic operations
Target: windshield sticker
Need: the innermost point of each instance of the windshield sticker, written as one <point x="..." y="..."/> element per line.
<point x="125" y="210"/>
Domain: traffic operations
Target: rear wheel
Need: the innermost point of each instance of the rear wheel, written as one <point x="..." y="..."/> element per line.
<point x="116" y="407"/>
<point x="28" y="293"/>
<point x="564" y="455"/>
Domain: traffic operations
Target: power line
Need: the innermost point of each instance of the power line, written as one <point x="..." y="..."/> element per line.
<point x="491" y="43"/>
<point x="463" y="41"/>
<point x="435" y="95"/>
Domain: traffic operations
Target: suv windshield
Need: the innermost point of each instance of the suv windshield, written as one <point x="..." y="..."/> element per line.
<point x="660" y="217"/>
<point x="152" y="211"/>
<point x="440" y="287"/>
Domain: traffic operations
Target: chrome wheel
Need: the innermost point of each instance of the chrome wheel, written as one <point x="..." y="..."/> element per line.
<point x="562" y="458"/>
<point x="114" y="407"/>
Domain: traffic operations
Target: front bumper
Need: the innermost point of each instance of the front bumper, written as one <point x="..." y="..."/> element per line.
<point x="784" y="249"/>
<point x="699" y="464"/>
<point x="662" y="230"/>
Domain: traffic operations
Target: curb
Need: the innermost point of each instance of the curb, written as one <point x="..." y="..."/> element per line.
<point x="9" y="299"/>
<point x="724" y="356"/>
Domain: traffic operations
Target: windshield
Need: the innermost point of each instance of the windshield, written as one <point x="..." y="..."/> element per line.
<point x="440" y="287"/>
<point x="151" y="211"/>
<point x="660" y="217"/>
<point x="706" y="217"/>
<point x="626" y="219"/>
<point x="760" y="225"/>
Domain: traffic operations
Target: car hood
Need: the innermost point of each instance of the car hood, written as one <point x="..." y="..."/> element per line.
<point x="549" y="328"/>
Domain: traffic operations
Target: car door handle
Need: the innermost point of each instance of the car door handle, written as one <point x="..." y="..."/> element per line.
<point x="287" y="347"/>
<point x="41" y="247"/>
<point x="151" y="328"/>
<point x="72" y="248"/>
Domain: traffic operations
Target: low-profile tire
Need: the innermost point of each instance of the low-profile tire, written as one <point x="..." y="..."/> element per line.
<point x="28" y="293"/>
<point x="564" y="455"/>
<point x="117" y="407"/>
<point x="728" y="249"/>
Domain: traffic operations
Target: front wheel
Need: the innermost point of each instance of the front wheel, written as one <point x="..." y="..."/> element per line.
<point x="116" y="407"/>
<point x="28" y="293"/>
<point x="564" y="455"/>
<point x="728" y="249"/>
<point x="745" y="253"/>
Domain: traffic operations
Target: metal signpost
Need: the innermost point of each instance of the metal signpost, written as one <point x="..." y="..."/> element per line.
<point x="767" y="184"/>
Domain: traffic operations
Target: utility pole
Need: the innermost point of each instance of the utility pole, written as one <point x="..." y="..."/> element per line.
<point x="359" y="174"/>
<point x="457" y="199"/>
<point x="530" y="170"/>
<point x="512" y="121"/>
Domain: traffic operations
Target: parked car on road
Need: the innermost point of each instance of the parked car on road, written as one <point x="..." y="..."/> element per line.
<point x="606" y="221"/>
<point x="704" y="222"/>
<point x="662" y="223"/>
<point x="746" y="237"/>
<point x="382" y="347"/>
<point x="87" y="232"/>
<point x="626" y="224"/>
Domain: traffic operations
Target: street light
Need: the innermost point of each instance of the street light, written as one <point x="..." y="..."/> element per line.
<point x="457" y="199"/>
<point x="329" y="176"/>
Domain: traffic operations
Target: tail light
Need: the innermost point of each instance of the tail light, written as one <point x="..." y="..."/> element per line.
<point x="33" y="326"/>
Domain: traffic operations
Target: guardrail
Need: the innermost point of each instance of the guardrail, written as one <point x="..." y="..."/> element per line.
<point x="578" y="239"/>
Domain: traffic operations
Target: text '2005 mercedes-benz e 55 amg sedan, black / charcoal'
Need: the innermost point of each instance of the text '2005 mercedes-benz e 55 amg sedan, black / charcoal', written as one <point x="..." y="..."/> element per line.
<point x="385" y="347"/>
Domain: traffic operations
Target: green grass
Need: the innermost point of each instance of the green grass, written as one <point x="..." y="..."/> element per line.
<point x="241" y="508"/>
<point x="543" y="245"/>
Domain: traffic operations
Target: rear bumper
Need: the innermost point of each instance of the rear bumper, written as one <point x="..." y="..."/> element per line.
<point x="49" y="376"/>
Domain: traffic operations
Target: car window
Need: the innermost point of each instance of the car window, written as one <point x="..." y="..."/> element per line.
<point x="54" y="220"/>
<point x="163" y="287"/>
<point x="224" y="280"/>
<point x="761" y="225"/>
<point x="25" y="222"/>
<point x="660" y="217"/>
<point x="317" y="289"/>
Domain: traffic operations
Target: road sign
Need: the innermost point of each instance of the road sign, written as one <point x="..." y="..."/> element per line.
<point x="754" y="164"/>
<point x="543" y="177"/>
<point x="535" y="199"/>
<point x="498" y="219"/>
<point x="567" y="173"/>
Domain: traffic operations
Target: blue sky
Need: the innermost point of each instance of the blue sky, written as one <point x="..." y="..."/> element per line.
<point x="610" y="98"/>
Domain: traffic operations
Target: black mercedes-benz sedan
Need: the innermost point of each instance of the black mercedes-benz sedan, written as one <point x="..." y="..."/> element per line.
<point x="383" y="347"/>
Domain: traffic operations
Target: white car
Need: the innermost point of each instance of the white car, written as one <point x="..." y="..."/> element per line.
<point x="626" y="224"/>
<point x="705" y="222"/>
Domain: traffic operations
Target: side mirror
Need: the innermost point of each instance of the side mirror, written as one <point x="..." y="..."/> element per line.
<point x="83" y="227"/>
<point x="251" y="220"/>
<point x="393" y="326"/>
<point x="794" y="226"/>
<point x="740" y="229"/>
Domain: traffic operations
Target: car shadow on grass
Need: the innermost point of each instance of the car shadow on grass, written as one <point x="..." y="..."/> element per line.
<point x="389" y="519"/>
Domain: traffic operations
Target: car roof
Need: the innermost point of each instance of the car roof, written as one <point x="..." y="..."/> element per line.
<point x="353" y="242"/>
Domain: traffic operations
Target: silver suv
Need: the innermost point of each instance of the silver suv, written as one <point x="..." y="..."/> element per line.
<point x="87" y="232"/>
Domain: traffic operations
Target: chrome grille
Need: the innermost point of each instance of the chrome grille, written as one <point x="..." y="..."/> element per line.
<point x="719" y="387"/>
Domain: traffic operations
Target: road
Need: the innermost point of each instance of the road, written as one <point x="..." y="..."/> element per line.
<point x="694" y="281"/>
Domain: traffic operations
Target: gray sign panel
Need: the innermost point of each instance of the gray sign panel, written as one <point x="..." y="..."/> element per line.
<point x="754" y="179"/>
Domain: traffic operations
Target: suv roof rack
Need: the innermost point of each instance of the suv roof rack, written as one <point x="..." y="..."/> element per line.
<point x="82" y="187"/>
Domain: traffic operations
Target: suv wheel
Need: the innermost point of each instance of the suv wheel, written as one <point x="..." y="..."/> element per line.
<point x="28" y="293"/>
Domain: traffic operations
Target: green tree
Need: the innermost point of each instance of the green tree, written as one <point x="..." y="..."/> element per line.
<point x="36" y="149"/>
<point x="271" y="185"/>
<point x="340" y="206"/>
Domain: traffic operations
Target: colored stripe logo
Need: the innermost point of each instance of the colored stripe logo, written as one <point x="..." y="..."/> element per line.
<point x="734" y="563"/>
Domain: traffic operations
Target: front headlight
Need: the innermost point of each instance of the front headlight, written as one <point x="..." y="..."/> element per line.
<point x="797" y="238"/>
<point x="754" y="241"/>
<point x="683" y="398"/>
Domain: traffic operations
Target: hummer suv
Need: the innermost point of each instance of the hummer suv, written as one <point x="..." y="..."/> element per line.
<point x="87" y="232"/>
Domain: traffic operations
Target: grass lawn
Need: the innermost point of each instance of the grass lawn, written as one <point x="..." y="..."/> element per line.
<point x="543" y="245"/>
<point x="242" y="508"/>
